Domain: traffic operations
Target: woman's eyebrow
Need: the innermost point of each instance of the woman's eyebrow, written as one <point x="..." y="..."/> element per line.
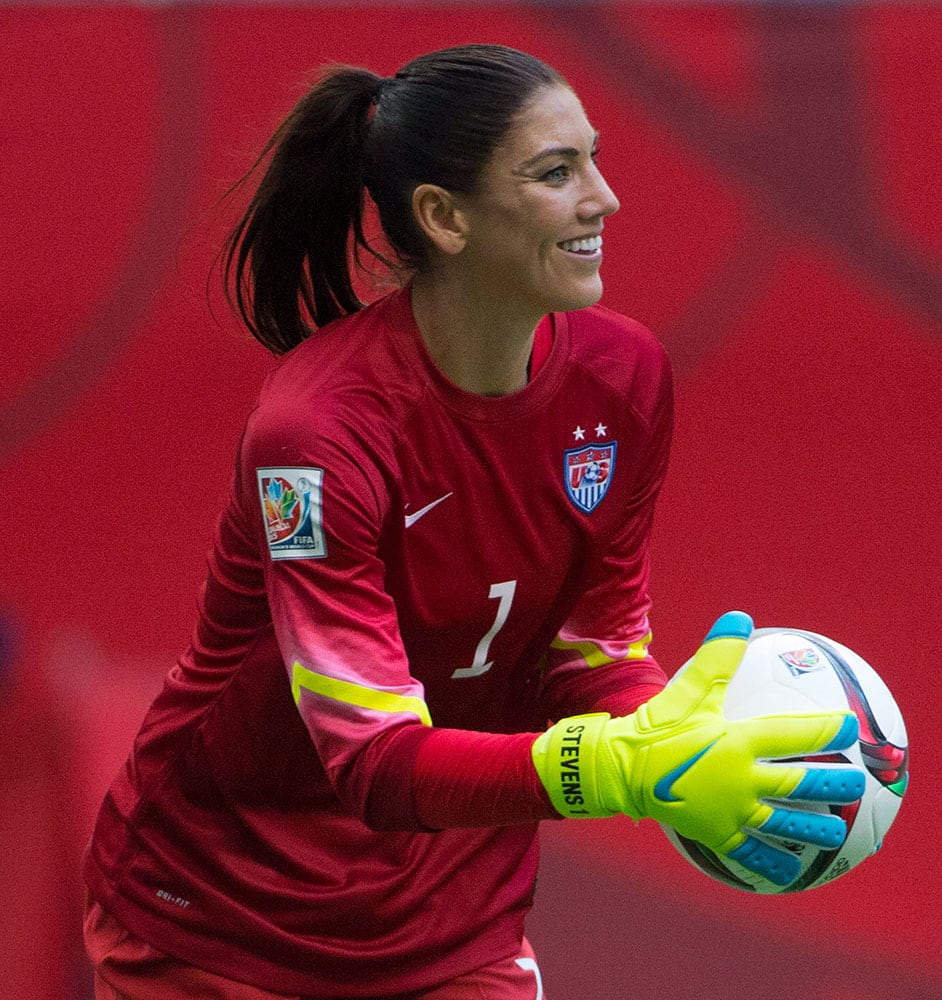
<point x="569" y="152"/>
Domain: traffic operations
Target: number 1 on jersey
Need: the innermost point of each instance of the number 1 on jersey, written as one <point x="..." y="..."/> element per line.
<point x="504" y="594"/>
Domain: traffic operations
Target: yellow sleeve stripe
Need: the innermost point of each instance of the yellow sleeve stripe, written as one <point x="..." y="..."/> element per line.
<point x="355" y="694"/>
<point x="593" y="655"/>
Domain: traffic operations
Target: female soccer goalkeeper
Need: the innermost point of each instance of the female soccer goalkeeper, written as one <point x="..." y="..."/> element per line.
<point x="425" y="623"/>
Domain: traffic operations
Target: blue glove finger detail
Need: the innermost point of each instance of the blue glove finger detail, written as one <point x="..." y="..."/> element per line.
<point x="732" y="625"/>
<point x="777" y="866"/>
<point x="820" y="829"/>
<point x="846" y="736"/>
<point x="839" y="785"/>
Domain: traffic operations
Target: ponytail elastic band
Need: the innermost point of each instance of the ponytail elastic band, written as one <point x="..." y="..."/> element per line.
<point x="381" y="84"/>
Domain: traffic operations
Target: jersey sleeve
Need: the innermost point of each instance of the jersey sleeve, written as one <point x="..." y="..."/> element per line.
<point x="600" y="658"/>
<point x="317" y="503"/>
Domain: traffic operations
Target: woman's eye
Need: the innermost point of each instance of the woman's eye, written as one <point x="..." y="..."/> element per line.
<point x="557" y="174"/>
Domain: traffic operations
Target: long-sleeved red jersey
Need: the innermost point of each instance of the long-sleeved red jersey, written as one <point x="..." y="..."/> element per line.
<point x="398" y="559"/>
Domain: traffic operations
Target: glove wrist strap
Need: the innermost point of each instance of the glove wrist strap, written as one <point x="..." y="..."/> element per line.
<point x="565" y="758"/>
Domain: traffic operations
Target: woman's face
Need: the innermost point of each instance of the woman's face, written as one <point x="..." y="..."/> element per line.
<point x="534" y="235"/>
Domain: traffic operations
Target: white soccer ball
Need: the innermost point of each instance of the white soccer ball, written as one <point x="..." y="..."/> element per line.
<point x="791" y="670"/>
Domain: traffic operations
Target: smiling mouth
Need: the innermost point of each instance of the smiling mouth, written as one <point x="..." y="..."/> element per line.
<point x="586" y="247"/>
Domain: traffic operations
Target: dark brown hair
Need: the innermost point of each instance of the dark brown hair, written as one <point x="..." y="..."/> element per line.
<point x="287" y="263"/>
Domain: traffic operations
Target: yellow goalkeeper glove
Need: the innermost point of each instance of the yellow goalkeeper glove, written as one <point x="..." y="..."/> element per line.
<point x="680" y="761"/>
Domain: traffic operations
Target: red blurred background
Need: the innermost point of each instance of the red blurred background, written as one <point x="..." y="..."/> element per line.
<point x="781" y="230"/>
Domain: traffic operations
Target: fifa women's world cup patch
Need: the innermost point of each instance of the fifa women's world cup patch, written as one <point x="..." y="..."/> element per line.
<point x="291" y="507"/>
<point x="588" y="474"/>
<point x="802" y="661"/>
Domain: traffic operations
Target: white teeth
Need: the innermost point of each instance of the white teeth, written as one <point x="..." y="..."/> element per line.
<point x="583" y="246"/>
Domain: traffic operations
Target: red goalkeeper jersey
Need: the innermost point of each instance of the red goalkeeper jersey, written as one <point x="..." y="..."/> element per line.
<point x="398" y="558"/>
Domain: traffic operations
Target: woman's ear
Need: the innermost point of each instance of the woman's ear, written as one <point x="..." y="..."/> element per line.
<point x="440" y="217"/>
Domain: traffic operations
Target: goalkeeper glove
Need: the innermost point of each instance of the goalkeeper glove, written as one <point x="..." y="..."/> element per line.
<point x="678" y="760"/>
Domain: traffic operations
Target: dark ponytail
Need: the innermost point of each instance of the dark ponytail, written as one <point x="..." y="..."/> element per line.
<point x="437" y="121"/>
<point x="286" y="263"/>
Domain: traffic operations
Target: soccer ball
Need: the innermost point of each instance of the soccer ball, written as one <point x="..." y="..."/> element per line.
<point x="791" y="670"/>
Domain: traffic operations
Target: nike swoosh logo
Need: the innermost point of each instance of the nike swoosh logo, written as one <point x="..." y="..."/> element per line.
<point x="412" y="518"/>
<point x="662" y="790"/>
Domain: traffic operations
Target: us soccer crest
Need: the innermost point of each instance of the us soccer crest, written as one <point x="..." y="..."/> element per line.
<point x="291" y="507"/>
<point x="588" y="473"/>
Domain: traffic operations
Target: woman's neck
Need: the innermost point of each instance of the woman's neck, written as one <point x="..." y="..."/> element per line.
<point x="474" y="343"/>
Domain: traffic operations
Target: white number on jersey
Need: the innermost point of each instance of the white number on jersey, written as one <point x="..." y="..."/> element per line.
<point x="504" y="593"/>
